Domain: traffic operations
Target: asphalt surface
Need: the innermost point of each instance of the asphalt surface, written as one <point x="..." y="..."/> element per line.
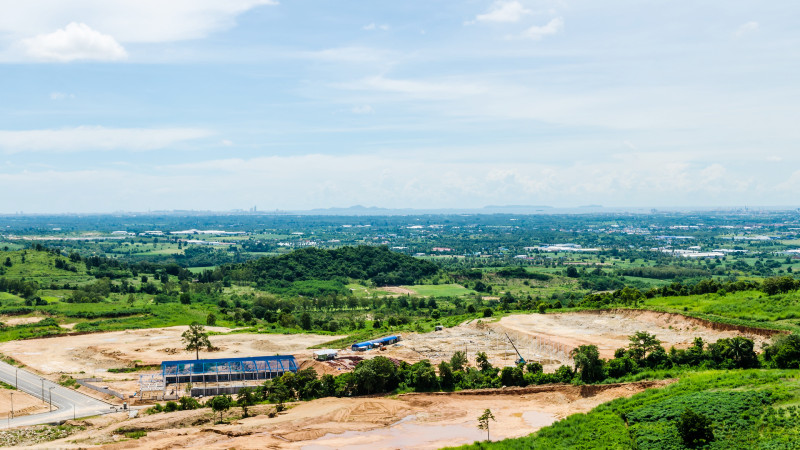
<point x="67" y="403"/>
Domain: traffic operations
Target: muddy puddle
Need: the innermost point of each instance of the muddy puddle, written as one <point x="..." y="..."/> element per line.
<point x="408" y="433"/>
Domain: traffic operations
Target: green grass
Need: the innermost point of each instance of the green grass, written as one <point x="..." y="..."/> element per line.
<point x="649" y="282"/>
<point x="440" y="290"/>
<point x="135" y="434"/>
<point x="40" y="267"/>
<point x="752" y="308"/>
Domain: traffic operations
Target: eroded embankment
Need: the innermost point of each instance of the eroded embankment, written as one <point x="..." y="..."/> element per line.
<point x="707" y="323"/>
<point x="588" y="390"/>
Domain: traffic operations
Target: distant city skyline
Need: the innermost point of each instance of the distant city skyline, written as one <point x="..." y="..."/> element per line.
<point x="214" y="105"/>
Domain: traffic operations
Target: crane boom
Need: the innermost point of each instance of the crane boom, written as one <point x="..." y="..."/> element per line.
<point x="521" y="360"/>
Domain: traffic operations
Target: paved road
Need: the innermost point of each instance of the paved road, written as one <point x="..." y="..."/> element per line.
<point x="67" y="403"/>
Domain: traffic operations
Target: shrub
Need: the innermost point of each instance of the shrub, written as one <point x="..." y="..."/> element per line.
<point x="695" y="429"/>
<point x="170" y="407"/>
<point x="188" y="403"/>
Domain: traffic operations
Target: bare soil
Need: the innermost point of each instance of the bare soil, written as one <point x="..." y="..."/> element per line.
<point x="398" y="290"/>
<point x="408" y="421"/>
<point x="91" y="355"/>
<point x="548" y="338"/>
<point x="12" y="321"/>
<point x="24" y="404"/>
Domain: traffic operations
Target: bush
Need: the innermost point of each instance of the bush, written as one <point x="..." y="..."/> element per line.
<point x="170" y="407"/>
<point x="488" y="312"/>
<point x="695" y="429"/>
<point x="534" y="367"/>
<point x="784" y="352"/>
<point x="188" y="403"/>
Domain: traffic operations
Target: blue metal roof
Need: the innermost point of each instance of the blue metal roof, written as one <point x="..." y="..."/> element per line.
<point x="375" y="341"/>
<point x="253" y="364"/>
<point x="227" y="360"/>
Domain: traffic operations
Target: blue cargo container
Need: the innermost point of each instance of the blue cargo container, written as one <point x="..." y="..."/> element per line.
<point x="363" y="346"/>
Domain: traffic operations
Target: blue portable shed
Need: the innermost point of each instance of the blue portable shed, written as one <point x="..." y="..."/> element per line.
<point x="387" y="340"/>
<point x="362" y="346"/>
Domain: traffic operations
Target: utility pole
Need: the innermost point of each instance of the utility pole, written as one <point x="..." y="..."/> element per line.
<point x="16" y="378"/>
<point x="12" y="408"/>
<point x="51" y="397"/>
<point x="42" y="390"/>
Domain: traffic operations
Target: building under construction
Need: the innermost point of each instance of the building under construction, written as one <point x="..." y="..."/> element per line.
<point x="204" y="377"/>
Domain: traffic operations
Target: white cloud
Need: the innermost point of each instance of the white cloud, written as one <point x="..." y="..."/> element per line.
<point x="438" y="89"/>
<point x="373" y="27"/>
<point x="502" y="11"/>
<point x="75" y="42"/>
<point x="363" y="109"/>
<point x="396" y="179"/>
<point x="747" y="28"/>
<point x="61" y="96"/>
<point x="128" y="20"/>
<point x="80" y="139"/>
<point x="349" y="54"/>
<point x="537" y="32"/>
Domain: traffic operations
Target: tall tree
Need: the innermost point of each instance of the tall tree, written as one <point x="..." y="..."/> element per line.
<point x="588" y="363"/>
<point x="483" y="422"/>
<point x="196" y="338"/>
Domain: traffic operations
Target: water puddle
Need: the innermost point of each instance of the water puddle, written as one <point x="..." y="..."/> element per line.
<point x="538" y="419"/>
<point x="407" y="433"/>
<point x="403" y="434"/>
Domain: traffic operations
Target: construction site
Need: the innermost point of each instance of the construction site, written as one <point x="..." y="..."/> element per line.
<point x="411" y="420"/>
<point x="549" y="338"/>
<point x="544" y="338"/>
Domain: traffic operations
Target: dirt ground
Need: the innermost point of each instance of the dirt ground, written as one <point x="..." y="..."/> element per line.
<point x="91" y="355"/>
<point x="548" y="338"/>
<point x="24" y="404"/>
<point x="398" y="290"/>
<point x="12" y="321"/>
<point x="409" y="421"/>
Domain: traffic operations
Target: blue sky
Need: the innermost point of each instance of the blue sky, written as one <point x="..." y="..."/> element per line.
<point x="111" y="105"/>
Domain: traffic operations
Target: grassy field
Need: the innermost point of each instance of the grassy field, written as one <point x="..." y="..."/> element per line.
<point x="752" y="307"/>
<point x="40" y="267"/>
<point x="440" y="290"/>
<point x="200" y="269"/>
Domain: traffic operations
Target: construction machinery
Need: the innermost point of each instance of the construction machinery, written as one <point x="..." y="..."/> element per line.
<point x="521" y="360"/>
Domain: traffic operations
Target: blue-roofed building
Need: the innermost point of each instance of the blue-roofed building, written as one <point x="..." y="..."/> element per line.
<point x="203" y="377"/>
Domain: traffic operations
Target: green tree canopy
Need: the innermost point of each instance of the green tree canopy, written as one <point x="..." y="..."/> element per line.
<point x="196" y="338"/>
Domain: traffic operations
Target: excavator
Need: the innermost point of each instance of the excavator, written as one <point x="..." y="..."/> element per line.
<point x="521" y="360"/>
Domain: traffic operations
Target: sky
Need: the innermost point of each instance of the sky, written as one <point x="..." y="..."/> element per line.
<point x="136" y="105"/>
